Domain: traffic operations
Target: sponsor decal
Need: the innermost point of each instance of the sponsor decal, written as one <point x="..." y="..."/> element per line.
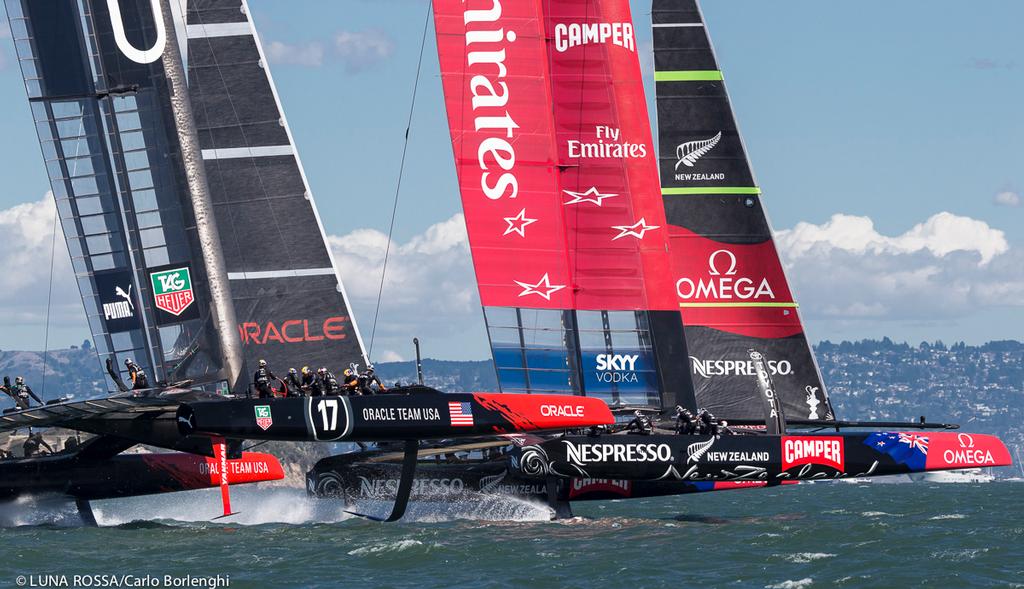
<point x="688" y="153"/>
<point x="697" y="450"/>
<point x="583" y="454"/>
<point x="765" y="380"/>
<point x="592" y="195"/>
<point x="401" y="414"/>
<point x="234" y="467"/>
<point x="612" y="368"/>
<point x="496" y="485"/>
<point x="543" y="288"/>
<point x="562" y="410"/>
<point x="637" y="230"/>
<point x="376" y="487"/>
<point x="460" y="414"/>
<point x="172" y="290"/>
<point x="820" y="450"/>
<point x="722" y="282"/>
<point x="264" y="418"/>
<point x="712" y="368"/>
<point x="487" y="47"/>
<point x="812" y="401"/>
<point x="569" y="35"/>
<point x="518" y="223"/>
<point x="738" y="456"/>
<point x="117" y="304"/>
<point x="142" y="56"/>
<point x="605" y="145"/>
<point x="292" y="331"/>
<point x="966" y="453"/>
<point x="578" y="487"/>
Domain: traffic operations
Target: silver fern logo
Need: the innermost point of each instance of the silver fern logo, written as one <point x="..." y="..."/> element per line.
<point x="688" y="153"/>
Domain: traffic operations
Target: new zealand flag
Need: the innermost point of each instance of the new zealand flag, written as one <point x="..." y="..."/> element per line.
<point x="909" y="449"/>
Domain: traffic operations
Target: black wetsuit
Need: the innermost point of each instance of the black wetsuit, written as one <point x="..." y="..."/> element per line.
<point x="294" y="385"/>
<point x="351" y="385"/>
<point x="33" y="443"/>
<point x="370" y="384"/>
<point x="706" y="423"/>
<point x="309" y="386"/>
<point x="21" y="393"/>
<point x="138" y="376"/>
<point x="685" y="425"/>
<point x="640" y="425"/>
<point x="330" y="384"/>
<point x="261" y="378"/>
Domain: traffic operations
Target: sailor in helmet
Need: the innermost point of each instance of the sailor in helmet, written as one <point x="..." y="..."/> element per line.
<point x="641" y="424"/>
<point x="261" y="379"/>
<point x="328" y="382"/>
<point x="686" y="423"/>
<point x="706" y="422"/>
<point x="350" y="382"/>
<point x="308" y="381"/>
<point x="370" y="383"/>
<point x="20" y="392"/>
<point x="293" y="383"/>
<point x="137" y="374"/>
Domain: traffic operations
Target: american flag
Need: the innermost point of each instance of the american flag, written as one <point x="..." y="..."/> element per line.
<point x="461" y="413"/>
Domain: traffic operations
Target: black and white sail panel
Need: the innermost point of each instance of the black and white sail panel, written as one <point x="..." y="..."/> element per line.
<point x="732" y="290"/>
<point x="289" y="300"/>
<point x="101" y="102"/>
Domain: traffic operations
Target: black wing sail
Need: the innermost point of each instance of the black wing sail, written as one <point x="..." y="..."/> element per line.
<point x="288" y="296"/>
<point x="732" y="290"/>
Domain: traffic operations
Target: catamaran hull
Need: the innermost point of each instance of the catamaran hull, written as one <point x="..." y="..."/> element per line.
<point x="430" y="415"/>
<point x="128" y="475"/>
<point x="767" y="459"/>
<point x="578" y="468"/>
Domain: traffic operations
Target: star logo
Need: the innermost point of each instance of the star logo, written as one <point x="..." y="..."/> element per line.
<point x="543" y="288"/>
<point x="518" y="223"/>
<point x="592" y="195"/>
<point x="636" y="230"/>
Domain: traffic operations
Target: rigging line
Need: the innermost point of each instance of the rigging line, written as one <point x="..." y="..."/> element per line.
<point x="401" y="171"/>
<point x="49" y="299"/>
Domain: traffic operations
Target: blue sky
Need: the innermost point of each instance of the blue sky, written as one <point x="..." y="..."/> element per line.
<point x="892" y="111"/>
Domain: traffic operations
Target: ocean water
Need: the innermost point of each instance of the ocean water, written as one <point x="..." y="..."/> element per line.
<point x="817" y="535"/>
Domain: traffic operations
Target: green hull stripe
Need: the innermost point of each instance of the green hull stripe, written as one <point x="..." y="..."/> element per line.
<point x="767" y="305"/>
<point x="688" y="76"/>
<point x="712" y="190"/>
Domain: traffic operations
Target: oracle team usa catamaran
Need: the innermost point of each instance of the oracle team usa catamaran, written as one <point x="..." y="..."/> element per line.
<point x="173" y="170"/>
<point x="607" y="269"/>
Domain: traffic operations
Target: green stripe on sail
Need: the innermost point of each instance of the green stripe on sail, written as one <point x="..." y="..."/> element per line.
<point x="712" y="190"/>
<point x="767" y="305"/>
<point x="688" y="76"/>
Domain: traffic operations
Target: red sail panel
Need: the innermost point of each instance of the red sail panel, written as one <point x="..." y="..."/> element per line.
<point x="608" y="167"/>
<point x="554" y="154"/>
<point x="497" y="94"/>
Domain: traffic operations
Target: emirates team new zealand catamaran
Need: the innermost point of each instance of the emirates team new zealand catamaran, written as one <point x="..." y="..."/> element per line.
<point x="648" y="279"/>
<point x="174" y="171"/>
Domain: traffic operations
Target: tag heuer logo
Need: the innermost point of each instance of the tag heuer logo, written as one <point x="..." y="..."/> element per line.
<point x="263" y="417"/>
<point x="172" y="290"/>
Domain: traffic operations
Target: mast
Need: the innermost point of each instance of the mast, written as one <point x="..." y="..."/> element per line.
<point x="221" y="305"/>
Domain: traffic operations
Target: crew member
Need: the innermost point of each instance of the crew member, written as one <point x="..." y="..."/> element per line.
<point x="261" y="378"/>
<point x="309" y="382"/>
<point x="350" y="382"/>
<point x="686" y="424"/>
<point x="137" y="374"/>
<point x="370" y="383"/>
<point x="294" y="383"/>
<point x="328" y="382"/>
<point x="33" y="444"/>
<point x="706" y="423"/>
<point x="20" y="392"/>
<point x="641" y="424"/>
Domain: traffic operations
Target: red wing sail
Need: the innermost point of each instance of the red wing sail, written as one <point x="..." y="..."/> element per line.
<point x="729" y="283"/>
<point x="559" y="184"/>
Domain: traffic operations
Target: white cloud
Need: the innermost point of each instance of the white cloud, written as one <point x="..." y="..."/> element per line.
<point x="941" y="234"/>
<point x="946" y="267"/>
<point x="1008" y="198"/>
<point x="307" y="54"/>
<point x="356" y="50"/>
<point x="362" y="49"/>
<point x="27" y="231"/>
<point x="429" y="291"/>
